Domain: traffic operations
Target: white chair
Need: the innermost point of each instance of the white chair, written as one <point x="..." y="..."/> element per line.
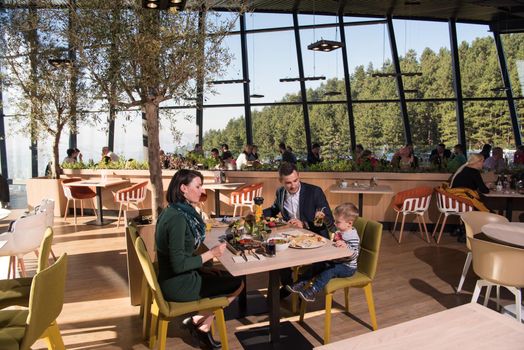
<point x="245" y="197"/>
<point x="134" y="194"/>
<point x="473" y="222"/>
<point x="413" y="201"/>
<point x="447" y="205"/>
<point x="25" y="236"/>
<point x="48" y="206"/>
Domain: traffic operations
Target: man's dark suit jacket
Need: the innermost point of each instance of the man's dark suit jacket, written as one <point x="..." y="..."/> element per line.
<point x="311" y="199"/>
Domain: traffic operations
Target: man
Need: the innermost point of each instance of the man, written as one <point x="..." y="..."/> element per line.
<point x="214" y="154"/>
<point x="496" y="162"/>
<point x="298" y="202"/>
<point x="109" y="156"/>
<point x="226" y="154"/>
<point x="458" y="158"/>
<point x="287" y="156"/>
<point x="440" y="155"/>
<point x="314" y="156"/>
<point x="198" y="150"/>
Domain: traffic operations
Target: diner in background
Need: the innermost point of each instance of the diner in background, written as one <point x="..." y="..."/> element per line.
<point x="287" y="154"/>
<point x="226" y="154"/>
<point x="518" y="157"/>
<point x="245" y="157"/>
<point x="108" y="155"/>
<point x="486" y="151"/>
<point x="359" y="149"/>
<point x="458" y="158"/>
<point x="73" y="156"/>
<point x="440" y="155"/>
<point x="182" y="273"/>
<point x="367" y="158"/>
<point x="496" y="161"/>
<point x="405" y="158"/>
<point x="254" y="153"/>
<point x="345" y="237"/>
<point x="313" y="156"/>
<point x="468" y="175"/>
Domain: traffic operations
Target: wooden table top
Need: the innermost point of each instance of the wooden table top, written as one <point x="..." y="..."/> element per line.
<point x="97" y="183"/>
<point x="469" y="326"/>
<point x="379" y="189"/>
<point x="222" y="186"/>
<point x="503" y="194"/>
<point x="283" y="259"/>
<point x="511" y="232"/>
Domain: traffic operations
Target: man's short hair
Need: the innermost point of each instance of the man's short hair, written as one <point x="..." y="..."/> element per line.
<point x="282" y="145"/>
<point x="224" y="145"/>
<point x="442" y="145"/>
<point x="315" y="145"/>
<point x="286" y="169"/>
<point x="214" y="150"/>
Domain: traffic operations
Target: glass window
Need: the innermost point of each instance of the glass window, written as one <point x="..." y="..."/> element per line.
<point x="91" y="138"/>
<point x="330" y="128"/>
<point x="178" y="130"/>
<point x="224" y="125"/>
<point x="18" y="151"/>
<point x="45" y="149"/>
<point x="514" y="50"/>
<point x="268" y="20"/>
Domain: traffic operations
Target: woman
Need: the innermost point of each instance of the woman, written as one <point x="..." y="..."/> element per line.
<point x="405" y="158"/>
<point x="180" y="231"/>
<point x="468" y="175"/>
<point x="245" y="157"/>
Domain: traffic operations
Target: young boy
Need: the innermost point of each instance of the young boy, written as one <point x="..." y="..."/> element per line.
<point x="345" y="237"/>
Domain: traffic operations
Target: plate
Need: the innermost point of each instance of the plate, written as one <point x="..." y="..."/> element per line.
<point x="307" y="242"/>
<point x="217" y="223"/>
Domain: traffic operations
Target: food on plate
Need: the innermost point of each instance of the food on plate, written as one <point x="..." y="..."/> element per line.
<point x="307" y="241"/>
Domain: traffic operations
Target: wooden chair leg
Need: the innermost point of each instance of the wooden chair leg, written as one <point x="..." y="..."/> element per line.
<point x="302" y="310"/>
<point x="154" y="322"/>
<point x="53" y="338"/>
<point x="66" y="209"/>
<point x="395" y="225"/>
<point x="119" y="215"/>
<point x="425" y="227"/>
<point x="10" y="268"/>
<point x="442" y="228"/>
<point x="327" y="320"/>
<point x="346" y="298"/>
<point x="294" y="296"/>
<point x="221" y="324"/>
<point x="465" y="270"/>
<point x="22" y="267"/>
<point x="371" y="306"/>
<point x="162" y="334"/>
<point x="436" y="226"/>
<point x="74" y="208"/>
<point x="401" y="228"/>
<point x="81" y="207"/>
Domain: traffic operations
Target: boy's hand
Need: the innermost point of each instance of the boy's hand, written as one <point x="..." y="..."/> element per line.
<point x="341" y="244"/>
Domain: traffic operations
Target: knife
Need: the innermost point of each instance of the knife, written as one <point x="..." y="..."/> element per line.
<point x="255" y="254"/>
<point x="243" y="255"/>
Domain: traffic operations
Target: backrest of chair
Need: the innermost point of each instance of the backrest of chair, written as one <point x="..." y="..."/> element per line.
<point x="67" y="189"/>
<point x="28" y="232"/>
<point x="45" y="301"/>
<point x="136" y="192"/>
<point x="246" y="193"/>
<point x="150" y="275"/>
<point x="498" y="263"/>
<point x="474" y="220"/>
<point x="370" y="233"/>
<point x="48" y="206"/>
<point x="422" y="192"/>
<point x="45" y="249"/>
<point x="449" y="202"/>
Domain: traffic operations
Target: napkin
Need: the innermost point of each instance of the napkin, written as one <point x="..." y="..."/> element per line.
<point x="250" y="258"/>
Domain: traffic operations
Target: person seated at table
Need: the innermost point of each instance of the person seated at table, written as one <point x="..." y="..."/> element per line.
<point x="70" y="156"/>
<point x="254" y="153"/>
<point x="367" y="158"/>
<point x="440" y="155"/>
<point x="486" y="151"/>
<point x="359" y="149"/>
<point x="468" y="175"/>
<point x="496" y="161"/>
<point x="314" y="155"/>
<point x="182" y="275"/>
<point x="226" y="154"/>
<point x="457" y="159"/>
<point x="405" y="158"/>
<point x="518" y="157"/>
<point x="345" y="237"/>
<point x="108" y="155"/>
<point x="244" y="158"/>
<point x="287" y="153"/>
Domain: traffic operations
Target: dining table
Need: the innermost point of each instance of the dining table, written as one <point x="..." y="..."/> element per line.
<point x="287" y="258"/>
<point x="99" y="184"/>
<point x="217" y="187"/>
<point x="509" y="195"/>
<point x="509" y="232"/>
<point x="361" y="189"/>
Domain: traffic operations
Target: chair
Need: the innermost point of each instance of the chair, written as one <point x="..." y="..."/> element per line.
<point x="498" y="265"/>
<point x="74" y="193"/>
<point x="19" y="329"/>
<point x="48" y="206"/>
<point x="134" y="194"/>
<point x="449" y="204"/>
<point x="163" y="311"/>
<point x="26" y="235"/>
<point x="16" y="291"/>
<point x="413" y="201"/>
<point x="473" y="222"/>
<point x="370" y="233"/>
<point x="244" y="197"/>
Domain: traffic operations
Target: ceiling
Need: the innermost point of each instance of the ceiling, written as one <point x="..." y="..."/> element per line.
<point x="478" y="11"/>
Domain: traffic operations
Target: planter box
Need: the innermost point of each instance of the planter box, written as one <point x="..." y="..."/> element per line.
<point x="42" y="187"/>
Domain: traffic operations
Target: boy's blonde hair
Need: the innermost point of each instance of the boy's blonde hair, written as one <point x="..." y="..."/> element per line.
<point x="346" y="211"/>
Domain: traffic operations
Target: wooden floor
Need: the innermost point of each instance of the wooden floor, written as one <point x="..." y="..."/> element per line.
<point x="414" y="279"/>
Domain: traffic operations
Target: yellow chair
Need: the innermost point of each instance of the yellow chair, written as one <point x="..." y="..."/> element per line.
<point x="473" y="222"/>
<point x="370" y="233"/>
<point x="163" y="311"/>
<point x="16" y="291"/>
<point x="19" y="329"/>
<point x="499" y="265"/>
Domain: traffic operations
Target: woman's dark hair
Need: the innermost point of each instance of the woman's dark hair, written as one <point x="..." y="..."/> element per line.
<point x="182" y="177"/>
<point x="70" y="152"/>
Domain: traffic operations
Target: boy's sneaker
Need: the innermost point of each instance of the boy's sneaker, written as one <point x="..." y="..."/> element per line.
<point x="308" y="294"/>
<point x="297" y="287"/>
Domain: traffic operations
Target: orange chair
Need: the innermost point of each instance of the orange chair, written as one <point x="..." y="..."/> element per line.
<point x="134" y="194"/>
<point x="449" y="204"/>
<point x="413" y="201"/>
<point x="244" y="197"/>
<point x="77" y="193"/>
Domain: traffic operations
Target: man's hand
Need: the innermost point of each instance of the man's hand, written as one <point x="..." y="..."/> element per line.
<point x="296" y="223"/>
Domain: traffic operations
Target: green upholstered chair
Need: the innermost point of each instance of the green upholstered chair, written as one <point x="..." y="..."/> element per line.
<point x="163" y="311"/>
<point x="19" y="329"/>
<point x="370" y="233"/>
<point x="16" y="291"/>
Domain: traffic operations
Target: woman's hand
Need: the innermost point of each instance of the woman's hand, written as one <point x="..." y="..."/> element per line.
<point x="218" y="250"/>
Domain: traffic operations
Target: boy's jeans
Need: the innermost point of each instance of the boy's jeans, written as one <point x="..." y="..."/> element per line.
<point x="333" y="270"/>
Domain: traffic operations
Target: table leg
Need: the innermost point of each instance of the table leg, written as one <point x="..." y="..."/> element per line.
<point x="509" y="208"/>
<point x="100" y="216"/>
<point x="360" y="203"/>
<point x="217" y="203"/>
<point x="274" y="306"/>
<point x="242" y="298"/>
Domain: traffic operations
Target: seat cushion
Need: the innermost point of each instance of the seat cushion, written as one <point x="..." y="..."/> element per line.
<point x="12" y="328"/>
<point x="177" y="309"/>
<point x="15" y="292"/>
<point x="357" y="280"/>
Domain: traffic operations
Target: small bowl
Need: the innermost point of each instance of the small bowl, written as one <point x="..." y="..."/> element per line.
<point x="280" y="246"/>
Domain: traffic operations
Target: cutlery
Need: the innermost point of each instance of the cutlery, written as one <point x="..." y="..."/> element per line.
<point x="243" y="255"/>
<point x="255" y="254"/>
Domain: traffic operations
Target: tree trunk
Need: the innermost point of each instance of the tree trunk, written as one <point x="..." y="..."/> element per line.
<point x="55" y="170"/>
<point x="155" y="171"/>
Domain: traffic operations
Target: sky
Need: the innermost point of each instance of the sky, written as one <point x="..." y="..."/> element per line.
<point x="271" y="56"/>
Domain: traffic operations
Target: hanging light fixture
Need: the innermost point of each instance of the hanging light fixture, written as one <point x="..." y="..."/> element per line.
<point x="231" y="81"/>
<point x="325" y="45"/>
<point x="171" y="5"/>
<point x="61" y="62"/>
<point x="254" y="94"/>
<point x="405" y="74"/>
<point x="289" y="80"/>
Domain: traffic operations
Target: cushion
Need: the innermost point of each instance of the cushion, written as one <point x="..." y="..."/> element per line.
<point x="176" y="309"/>
<point x="15" y="292"/>
<point x="357" y="280"/>
<point x="12" y="328"/>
